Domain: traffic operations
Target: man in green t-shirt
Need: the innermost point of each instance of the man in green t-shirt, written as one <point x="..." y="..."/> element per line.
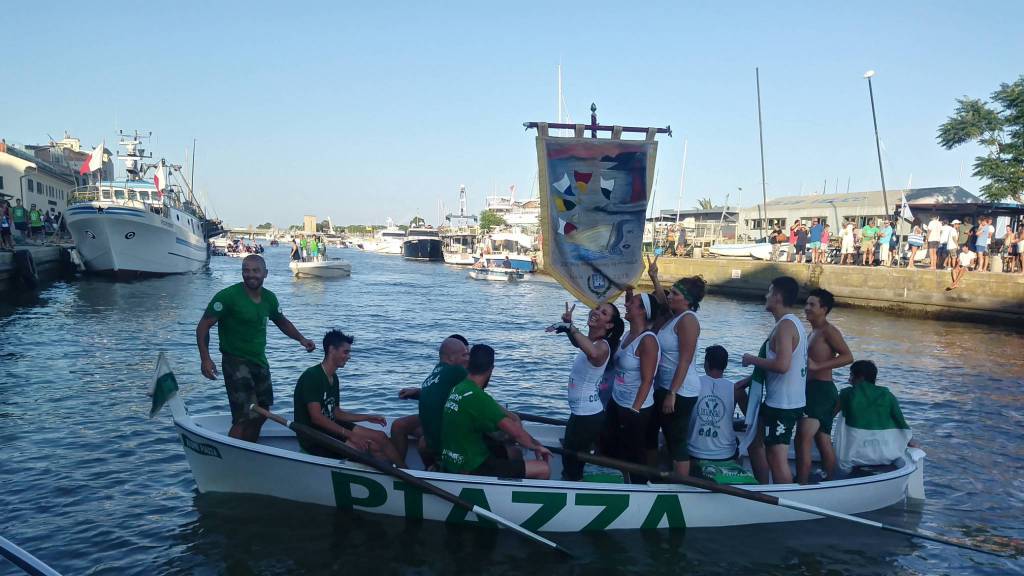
<point x="35" y="221"/>
<point x="242" y="311"/>
<point x="20" y="216"/>
<point x="317" y="405"/>
<point x="470" y="414"/>
<point x="453" y="356"/>
<point x="868" y="234"/>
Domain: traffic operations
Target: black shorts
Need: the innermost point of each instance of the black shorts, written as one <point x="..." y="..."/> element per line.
<point x="5" y="232"/>
<point x="801" y="248"/>
<point x="675" y="426"/>
<point x="20" y="226"/>
<point x="500" y="465"/>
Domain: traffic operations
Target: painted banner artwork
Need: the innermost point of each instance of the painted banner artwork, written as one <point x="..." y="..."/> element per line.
<point x="593" y="201"/>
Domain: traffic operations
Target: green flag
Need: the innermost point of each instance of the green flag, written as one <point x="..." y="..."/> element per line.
<point x="165" y="385"/>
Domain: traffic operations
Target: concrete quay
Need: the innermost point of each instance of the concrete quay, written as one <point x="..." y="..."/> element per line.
<point x="982" y="297"/>
<point x="51" y="262"/>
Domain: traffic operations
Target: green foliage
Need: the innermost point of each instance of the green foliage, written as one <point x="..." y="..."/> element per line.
<point x="265" y="226"/>
<point x="705" y="204"/>
<point x="490" y="220"/>
<point x="295" y="228"/>
<point x="999" y="127"/>
<point x="417" y="221"/>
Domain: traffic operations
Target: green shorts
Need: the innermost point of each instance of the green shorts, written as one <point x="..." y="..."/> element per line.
<point x="779" y="424"/>
<point x="822" y="396"/>
<point x="247" y="383"/>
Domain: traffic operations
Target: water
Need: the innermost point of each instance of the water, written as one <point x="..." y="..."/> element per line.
<point x="91" y="486"/>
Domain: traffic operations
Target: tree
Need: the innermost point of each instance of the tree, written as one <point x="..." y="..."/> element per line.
<point x="705" y="204"/>
<point x="417" y="221"/>
<point x="324" y="226"/>
<point x="265" y="226"/>
<point x="490" y="219"/>
<point x="999" y="127"/>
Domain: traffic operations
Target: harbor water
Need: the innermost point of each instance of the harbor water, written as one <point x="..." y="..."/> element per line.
<point x="90" y="485"/>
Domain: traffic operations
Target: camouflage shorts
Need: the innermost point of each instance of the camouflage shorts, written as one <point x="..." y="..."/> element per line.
<point x="247" y="382"/>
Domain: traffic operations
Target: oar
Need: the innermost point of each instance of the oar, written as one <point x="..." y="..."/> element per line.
<point x="762" y="497"/>
<point x="335" y="445"/>
<point x="541" y="419"/>
<point x="22" y="559"/>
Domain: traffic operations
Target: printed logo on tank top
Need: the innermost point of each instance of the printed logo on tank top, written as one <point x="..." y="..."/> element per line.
<point x="710" y="412"/>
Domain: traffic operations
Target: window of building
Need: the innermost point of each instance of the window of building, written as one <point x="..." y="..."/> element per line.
<point x="31" y="185"/>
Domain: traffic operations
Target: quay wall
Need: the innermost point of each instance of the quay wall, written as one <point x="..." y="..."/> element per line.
<point x="51" y="262"/>
<point x="981" y="297"/>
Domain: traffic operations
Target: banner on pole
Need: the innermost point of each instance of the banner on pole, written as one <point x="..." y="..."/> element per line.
<point x="593" y="200"/>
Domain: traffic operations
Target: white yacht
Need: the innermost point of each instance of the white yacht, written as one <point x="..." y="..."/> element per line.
<point x="386" y="241"/>
<point x="134" y="226"/>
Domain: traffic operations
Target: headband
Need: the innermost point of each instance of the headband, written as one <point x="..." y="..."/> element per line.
<point x="681" y="287"/>
<point x="646" y="300"/>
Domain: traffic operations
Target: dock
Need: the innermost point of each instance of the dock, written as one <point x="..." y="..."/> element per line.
<point x="992" y="297"/>
<point x="51" y="262"/>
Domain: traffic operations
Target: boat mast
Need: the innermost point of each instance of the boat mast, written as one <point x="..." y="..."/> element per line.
<point x="682" y="184"/>
<point x="760" y="135"/>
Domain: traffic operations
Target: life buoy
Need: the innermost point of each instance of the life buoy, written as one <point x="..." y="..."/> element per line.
<point x="25" y="266"/>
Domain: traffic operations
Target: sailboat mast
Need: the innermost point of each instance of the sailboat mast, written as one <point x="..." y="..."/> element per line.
<point x="682" y="184"/>
<point x="760" y="136"/>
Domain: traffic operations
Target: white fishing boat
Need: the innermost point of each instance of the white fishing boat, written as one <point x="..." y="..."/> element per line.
<point x="386" y="241"/>
<point x="136" y="226"/>
<point x="275" y="467"/>
<point x="497" y="274"/>
<point x="333" y="268"/>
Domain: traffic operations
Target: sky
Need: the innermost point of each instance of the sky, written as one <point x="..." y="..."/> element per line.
<point x="365" y="111"/>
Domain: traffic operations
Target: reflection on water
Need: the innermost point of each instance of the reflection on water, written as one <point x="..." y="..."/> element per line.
<point x="90" y="485"/>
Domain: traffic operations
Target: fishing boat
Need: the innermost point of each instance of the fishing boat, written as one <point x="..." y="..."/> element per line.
<point x="135" y="226"/>
<point x="422" y="244"/>
<point x="497" y="274"/>
<point x="333" y="268"/>
<point x="274" y="466"/>
<point x="386" y="241"/>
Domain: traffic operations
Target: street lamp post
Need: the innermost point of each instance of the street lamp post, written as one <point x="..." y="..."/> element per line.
<point x="878" y="146"/>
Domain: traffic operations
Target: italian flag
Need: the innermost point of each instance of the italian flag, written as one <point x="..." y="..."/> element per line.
<point x="95" y="160"/>
<point x="165" y="385"/>
<point x="872" y="431"/>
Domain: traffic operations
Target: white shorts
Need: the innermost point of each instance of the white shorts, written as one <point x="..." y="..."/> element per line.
<point x="848" y="248"/>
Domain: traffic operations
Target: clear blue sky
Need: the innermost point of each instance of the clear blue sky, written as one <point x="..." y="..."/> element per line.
<point x="362" y="111"/>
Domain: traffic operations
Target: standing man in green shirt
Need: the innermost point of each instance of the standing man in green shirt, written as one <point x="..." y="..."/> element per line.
<point x="318" y="405"/>
<point x="470" y="414"/>
<point x="20" y="216"/>
<point x="868" y="234"/>
<point x="242" y="311"/>
<point x="35" y="221"/>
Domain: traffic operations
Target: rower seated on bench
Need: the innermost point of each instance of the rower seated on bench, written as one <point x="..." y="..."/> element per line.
<point x="470" y="414"/>
<point x="712" y="439"/>
<point x="872" y="432"/>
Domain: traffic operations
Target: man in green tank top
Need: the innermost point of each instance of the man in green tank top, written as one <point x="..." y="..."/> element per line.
<point x="242" y="311"/>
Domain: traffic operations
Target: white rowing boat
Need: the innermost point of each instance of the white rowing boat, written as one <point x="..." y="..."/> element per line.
<point x="275" y="467"/>
<point x="334" y="268"/>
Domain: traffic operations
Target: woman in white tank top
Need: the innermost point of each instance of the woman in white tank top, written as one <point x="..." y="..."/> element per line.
<point x="636" y="363"/>
<point x="586" y="419"/>
<point x="677" y="384"/>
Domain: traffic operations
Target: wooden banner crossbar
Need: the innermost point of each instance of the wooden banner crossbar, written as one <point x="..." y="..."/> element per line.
<point x="598" y="128"/>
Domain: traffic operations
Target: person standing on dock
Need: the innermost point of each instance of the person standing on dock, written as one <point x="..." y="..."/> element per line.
<point x="847" y="248"/>
<point x="985" y="233"/>
<point x="868" y="234"/>
<point x="826" y="350"/>
<point x="934" y="235"/>
<point x="20" y="216"/>
<point x="885" y="242"/>
<point x="814" y="243"/>
<point x="6" y="225"/>
<point x="785" y="385"/>
<point x="242" y="311"/>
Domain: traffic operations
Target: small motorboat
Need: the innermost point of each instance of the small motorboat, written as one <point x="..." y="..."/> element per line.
<point x="732" y="250"/>
<point x="333" y="268"/>
<point x="497" y="274"/>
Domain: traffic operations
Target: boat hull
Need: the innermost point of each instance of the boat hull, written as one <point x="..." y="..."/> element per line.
<point x="518" y="261"/>
<point x="732" y="250"/>
<point x="128" y="241"/>
<point x="327" y="269"/>
<point x="423" y="249"/>
<point x="459" y="258"/>
<point x="270" y="468"/>
<point x="496" y="274"/>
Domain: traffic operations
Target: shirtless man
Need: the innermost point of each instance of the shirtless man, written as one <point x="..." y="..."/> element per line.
<point x="826" y="350"/>
<point x="785" y="385"/>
